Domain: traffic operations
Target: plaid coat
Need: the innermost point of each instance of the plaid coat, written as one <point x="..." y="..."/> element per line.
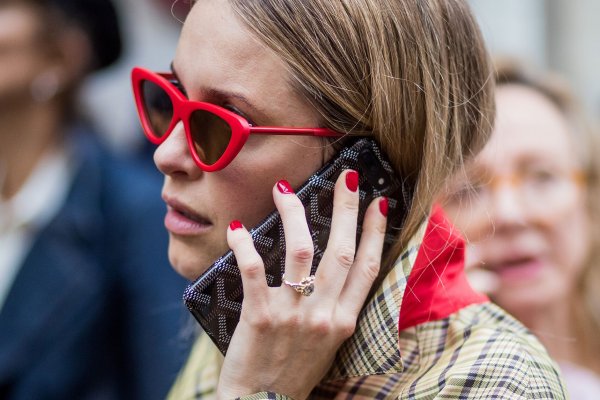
<point x="424" y="335"/>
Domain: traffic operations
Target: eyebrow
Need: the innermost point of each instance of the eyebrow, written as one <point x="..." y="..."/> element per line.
<point x="256" y="112"/>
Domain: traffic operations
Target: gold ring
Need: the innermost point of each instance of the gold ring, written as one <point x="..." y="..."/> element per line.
<point x="305" y="287"/>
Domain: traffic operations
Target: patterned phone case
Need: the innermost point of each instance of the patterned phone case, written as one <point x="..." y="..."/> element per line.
<point x="215" y="298"/>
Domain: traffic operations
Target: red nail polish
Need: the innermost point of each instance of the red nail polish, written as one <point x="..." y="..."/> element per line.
<point x="235" y="225"/>
<point x="352" y="180"/>
<point x="284" y="187"/>
<point x="383" y="206"/>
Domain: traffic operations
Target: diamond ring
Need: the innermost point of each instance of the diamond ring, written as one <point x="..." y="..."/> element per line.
<point x="305" y="287"/>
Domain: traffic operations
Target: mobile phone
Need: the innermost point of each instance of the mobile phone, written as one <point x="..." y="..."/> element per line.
<point x="215" y="298"/>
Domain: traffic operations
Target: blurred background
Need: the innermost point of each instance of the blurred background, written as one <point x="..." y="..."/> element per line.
<point x="552" y="34"/>
<point x="151" y="30"/>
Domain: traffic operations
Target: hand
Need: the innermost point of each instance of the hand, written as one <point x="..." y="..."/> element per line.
<point x="285" y="342"/>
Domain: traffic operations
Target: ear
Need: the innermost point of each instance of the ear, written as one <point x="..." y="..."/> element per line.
<point x="74" y="56"/>
<point x="46" y="85"/>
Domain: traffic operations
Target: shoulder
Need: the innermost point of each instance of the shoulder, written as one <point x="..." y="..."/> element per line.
<point x="482" y="352"/>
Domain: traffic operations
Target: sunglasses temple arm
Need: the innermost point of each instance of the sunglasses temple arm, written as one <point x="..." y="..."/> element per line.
<point x="272" y="130"/>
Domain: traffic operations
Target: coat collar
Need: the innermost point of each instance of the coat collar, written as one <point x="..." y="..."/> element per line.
<point x="427" y="283"/>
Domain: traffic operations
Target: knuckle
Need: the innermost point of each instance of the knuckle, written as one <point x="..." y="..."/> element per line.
<point x="345" y="255"/>
<point x="302" y="253"/>
<point x="321" y="325"/>
<point x="294" y="205"/>
<point x="380" y="229"/>
<point x="289" y="321"/>
<point x="252" y="268"/>
<point x="246" y="240"/>
<point x="260" y="320"/>
<point x="349" y="209"/>
<point x="371" y="266"/>
<point x="346" y="327"/>
<point x="352" y="206"/>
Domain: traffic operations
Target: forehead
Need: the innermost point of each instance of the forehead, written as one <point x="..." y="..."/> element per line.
<point x="528" y="127"/>
<point x="17" y="21"/>
<point x="216" y="49"/>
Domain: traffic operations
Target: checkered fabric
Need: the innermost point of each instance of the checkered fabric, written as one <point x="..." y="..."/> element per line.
<point x="478" y="352"/>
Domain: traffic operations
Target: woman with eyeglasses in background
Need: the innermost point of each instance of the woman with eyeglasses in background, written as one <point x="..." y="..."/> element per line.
<point x="87" y="307"/>
<point x="414" y="76"/>
<point x="529" y="206"/>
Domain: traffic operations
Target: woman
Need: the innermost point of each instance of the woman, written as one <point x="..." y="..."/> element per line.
<point x="83" y="297"/>
<point x="412" y="74"/>
<point x="533" y="219"/>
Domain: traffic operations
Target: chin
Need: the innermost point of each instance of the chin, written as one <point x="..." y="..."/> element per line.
<point x="526" y="299"/>
<point x="188" y="273"/>
<point x="190" y="257"/>
<point x="189" y="266"/>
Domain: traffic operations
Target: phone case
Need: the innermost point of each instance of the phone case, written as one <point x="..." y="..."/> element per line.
<point x="215" y="298"/>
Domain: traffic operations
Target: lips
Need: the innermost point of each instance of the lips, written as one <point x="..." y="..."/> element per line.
<point x="517" y="269"/>
<point x="183" y="220"/>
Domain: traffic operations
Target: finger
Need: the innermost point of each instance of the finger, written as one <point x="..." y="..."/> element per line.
<point x="298" y="242"/>
<point x="251" y="266"/>
<point x="339" y="255"/>
<point x="368" y="257"/>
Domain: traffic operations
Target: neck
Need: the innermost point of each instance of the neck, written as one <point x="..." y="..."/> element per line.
<point x="27" y="132"/>
<point x="556" y="327"/>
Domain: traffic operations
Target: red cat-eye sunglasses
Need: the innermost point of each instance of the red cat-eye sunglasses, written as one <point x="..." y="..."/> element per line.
<point x="214" y="134"/>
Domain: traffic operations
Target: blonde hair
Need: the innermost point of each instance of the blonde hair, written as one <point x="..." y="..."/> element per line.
<point x="414" y="74"/>
<point x="586" y="140"/>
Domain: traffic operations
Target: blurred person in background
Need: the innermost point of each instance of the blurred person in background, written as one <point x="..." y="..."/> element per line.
<point x="530" y="207"/>
<point x="86" y="291"/>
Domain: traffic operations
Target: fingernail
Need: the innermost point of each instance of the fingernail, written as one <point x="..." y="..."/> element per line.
<point x="383" y="206"/>
<point x="352" y="180"/>
<point x="284" y="187"/>
<point x="235" y="225"/>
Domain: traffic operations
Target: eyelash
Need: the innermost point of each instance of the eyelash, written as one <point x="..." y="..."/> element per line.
<point x="179" y="86"/>
<point x="226" y="106"/>
<point x="235" y="110"/>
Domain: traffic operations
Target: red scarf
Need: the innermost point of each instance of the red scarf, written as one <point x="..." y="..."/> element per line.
<point x="437" y="285"/>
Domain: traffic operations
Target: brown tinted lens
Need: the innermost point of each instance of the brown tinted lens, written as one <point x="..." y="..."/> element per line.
<point x="158" y="108"/>
<point x="211" y="135"/>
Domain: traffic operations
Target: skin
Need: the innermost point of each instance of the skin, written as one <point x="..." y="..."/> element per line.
<point x="284" y="342"/>
<point x="19" y="56"/>
<point x="26" y="126"/>
<point x="233" y="65"/>
<point x="535" y="254"/>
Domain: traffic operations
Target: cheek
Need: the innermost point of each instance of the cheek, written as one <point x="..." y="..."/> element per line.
<point x="246" y="198"/>
<point x="569" y="243"/>
<point x="252" y="176"/>
<point x="17" y="76"/>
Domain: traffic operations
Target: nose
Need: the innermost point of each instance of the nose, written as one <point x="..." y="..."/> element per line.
<point x="506" y="208"/>
<point x="173" y="158"/>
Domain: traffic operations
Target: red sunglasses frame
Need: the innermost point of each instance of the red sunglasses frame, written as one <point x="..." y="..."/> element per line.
<point x="183" y="109"/>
